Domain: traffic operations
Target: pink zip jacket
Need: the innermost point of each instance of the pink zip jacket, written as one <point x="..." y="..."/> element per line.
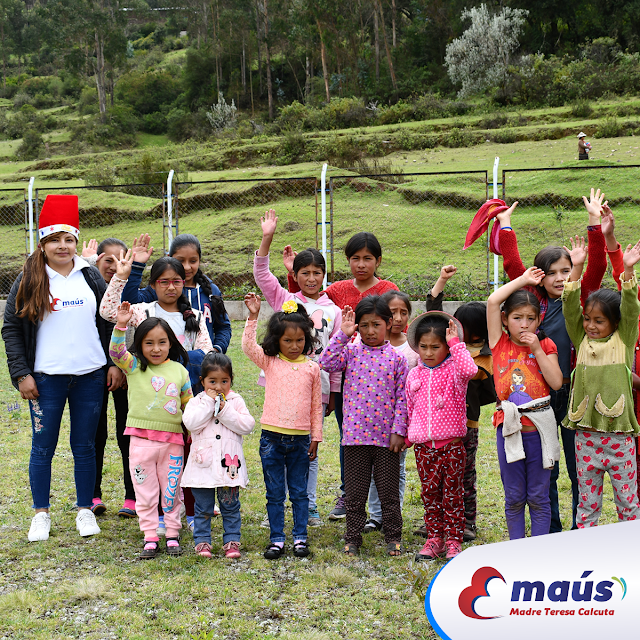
<point x="436" y="397"/>
<point x="216" y="458"/>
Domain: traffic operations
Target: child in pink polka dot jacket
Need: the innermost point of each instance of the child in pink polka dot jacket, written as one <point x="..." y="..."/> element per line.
<point x="437" y="421"/>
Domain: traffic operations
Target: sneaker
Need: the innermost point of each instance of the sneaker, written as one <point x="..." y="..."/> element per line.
<point x="232" y="549"/>
<point x="273" y="552"/>
<point x="161" y="531"/>
<point x="216" y="511"/>
<point x="433" y="548"/>
<point x="173" y="547"/>
<point x="469" y="533"/>
<point x="453" y="549"/>
<point x="126" y="512"/>
<point x="98" y="507"/>
<point x="203" y="549"/>
<point x="191" y="523"/>
<point x="149" y="551"/>
<point x="86" y="523"/>
<point x="371" y="525"/>
<point x="265" y="522"/>
<point x="339" y="510"/>
<point x="40" y="527"/>
<point x="301" y="549"/>
<point x="314" y="518"/>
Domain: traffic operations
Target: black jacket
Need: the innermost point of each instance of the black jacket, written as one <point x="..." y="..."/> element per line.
<point x="19" y="334"/>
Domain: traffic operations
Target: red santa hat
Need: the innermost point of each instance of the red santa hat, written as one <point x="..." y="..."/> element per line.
<point x="59" y="213"/>
<point x="480" y="223"/>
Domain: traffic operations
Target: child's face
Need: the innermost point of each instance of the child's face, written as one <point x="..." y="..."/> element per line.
<point x="168" y="287"/>
<point x="373" y="329"/>
<point x="107" y="265"/>
<point x="188" y="256"/>
<point x="309" y="280"/>
<point x="363" y="264"/>
<point x="156" y="345"/>
<point x="558" y="272"/>
<point x="400" y="315"/>
<point x="596" y="324"/>
<point x="432" y="349"/>
<point x="521" y="320"/>
<point x="292" y="342"/>
<point x="217" y="380"/>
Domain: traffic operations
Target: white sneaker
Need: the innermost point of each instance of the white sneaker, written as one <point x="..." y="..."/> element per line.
<point x="86" y="523"/>
<point x="40" y="527"/>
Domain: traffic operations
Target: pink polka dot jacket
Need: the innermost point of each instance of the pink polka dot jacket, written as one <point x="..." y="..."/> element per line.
<point x="436" y="397"/>
<point x="374" y="404"/>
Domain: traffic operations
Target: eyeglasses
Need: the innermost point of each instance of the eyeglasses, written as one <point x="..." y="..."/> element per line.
<point x="165" y="283"/>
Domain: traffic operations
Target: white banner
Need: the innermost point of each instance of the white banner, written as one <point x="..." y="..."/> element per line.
<point x="583" y="583"/>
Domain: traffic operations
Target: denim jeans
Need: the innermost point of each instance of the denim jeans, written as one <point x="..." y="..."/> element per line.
<point x="85" y="394"/>
<point x="559" y="404"/>
<point x="285" y="456"/>
<point x="229" y="501"/>
<point x="375" y="508"/>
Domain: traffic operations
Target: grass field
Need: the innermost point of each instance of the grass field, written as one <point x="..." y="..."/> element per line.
<point x="69" y="587"/>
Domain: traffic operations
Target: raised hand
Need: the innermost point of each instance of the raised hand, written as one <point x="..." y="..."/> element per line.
<point x="349" y="325"/>
<point x="252" y="301"/>
<point x="452" y="331"/>
<point x="89" y="248"/>
<point x="141" y="249"/>
<point x="124" y="314"/>
<point x="269" y="222"/>
<point x="504" y="218"/>
<point x="123" y="264"/>
<point x="578" y="250"/>
<point x="532" y="277"/>
<point x="594" y="206"/>
<point x="288" y="256"/>
<point x="448" y="271"/>
<point x="631" y="256"/>
<point x="607" y="221"/>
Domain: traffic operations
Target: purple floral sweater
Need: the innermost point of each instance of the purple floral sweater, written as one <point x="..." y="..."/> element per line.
<point x="374" y="403"/>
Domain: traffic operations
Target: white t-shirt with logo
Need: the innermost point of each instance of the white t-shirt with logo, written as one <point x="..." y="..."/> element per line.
<point x="68" y="341"/>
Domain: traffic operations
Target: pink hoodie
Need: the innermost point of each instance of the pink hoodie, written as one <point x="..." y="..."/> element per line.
<point x="436" y="397"/>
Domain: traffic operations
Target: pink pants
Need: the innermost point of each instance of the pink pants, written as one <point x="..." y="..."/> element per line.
<point x="156" y="469"/>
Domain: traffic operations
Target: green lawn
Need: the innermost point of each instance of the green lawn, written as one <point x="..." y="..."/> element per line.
<point x="96" y="588"/>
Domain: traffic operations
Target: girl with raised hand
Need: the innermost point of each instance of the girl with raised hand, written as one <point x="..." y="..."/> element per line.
<point x="203" y="295"/>
<point x="158" y="389"/>
<point x="558" y="263"/>
<point x="217" y="419"/>
<point x="308" y="271"/>
<point x="375" y="421"/>
<point x="601" y="410"/>
<point x="364" y="253"/>
<point x="291" y="417"/>
<point x="526" y="433"/>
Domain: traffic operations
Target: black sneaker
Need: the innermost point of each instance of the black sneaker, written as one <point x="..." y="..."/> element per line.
<point x="149" y="551"/>
<point x="174" y="549"/>
<point x="371" y="525"/>
<point x="273" y="552"/>
<point x="339" y="511"/>
<point x="301" y="550"/>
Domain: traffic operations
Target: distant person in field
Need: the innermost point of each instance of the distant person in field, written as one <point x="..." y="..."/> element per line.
<point x="583" y="147"/>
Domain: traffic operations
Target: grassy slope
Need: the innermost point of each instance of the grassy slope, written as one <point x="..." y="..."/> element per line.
<point x="95" y="588"/>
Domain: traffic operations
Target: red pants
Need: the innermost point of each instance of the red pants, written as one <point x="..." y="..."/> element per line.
<point x="441" y="474"/>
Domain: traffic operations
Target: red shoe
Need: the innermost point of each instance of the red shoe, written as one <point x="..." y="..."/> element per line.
<point x="453" y="549"/>
<point x="232" y="550"/>
<point x="203" y="549"/>
<point x="433" y="548"/>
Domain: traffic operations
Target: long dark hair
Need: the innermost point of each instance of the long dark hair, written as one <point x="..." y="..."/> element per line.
<point x="548" y="256"/>
<point x="216" y="302"/>
<point x="473" y="318"/>
<point x="176" y="350"/>
<point x="159" y="267"/>
<point x="278" y="324"/>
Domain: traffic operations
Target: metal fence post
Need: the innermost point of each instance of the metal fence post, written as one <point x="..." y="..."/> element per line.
<point x="31" y="229"/>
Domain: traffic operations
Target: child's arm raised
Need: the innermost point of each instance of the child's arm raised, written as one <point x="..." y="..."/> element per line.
<point x="141" y="253"/>
<point x="434" y="298"/>
<point x="613" y="248"/>
<point x="118" y="353"/>
<point x="288" y="256"/>
<point x="597" y="264"/>
<point x="249" y="345"/>
<point x="578" y="253"/>
<point x="530" y="278"/>
<point x="629" y="304"/>
<point x="548" y="362"/>
<point x="111" y="297"/>
<point x="334" y="357"/>
<point x="465" y="367"/>
<point x="509" y="245"/>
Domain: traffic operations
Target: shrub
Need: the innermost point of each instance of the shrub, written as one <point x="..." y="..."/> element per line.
<point x="293" y="116"/>
<point x="504" y="136"/>
<point x="222" y="115"/>
<point x="154" y="123"/>
<point x="20" y="99"/>
<point x="32" y="146"/>
<point x="495" y="121"/>
<point x="291" y="149"/>
<point x="182" y="125"/>
<point x="581" y="108"/>
<point x="609" y="128"/>
<point x="147" y="91"/>
<point x="341" y="151"/>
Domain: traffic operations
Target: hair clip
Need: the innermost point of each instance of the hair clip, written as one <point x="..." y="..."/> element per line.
<point x="290" y="306"/>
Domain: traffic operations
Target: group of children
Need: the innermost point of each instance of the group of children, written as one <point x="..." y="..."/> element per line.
<point x="550" y="347"/>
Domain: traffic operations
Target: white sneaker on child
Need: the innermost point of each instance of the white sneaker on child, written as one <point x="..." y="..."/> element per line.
<point x="40" y="527"/>
<point x="86" y="523"/>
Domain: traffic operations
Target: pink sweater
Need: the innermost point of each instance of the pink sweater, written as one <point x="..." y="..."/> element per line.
<point x="293" y="392"/>
<point x="436" y="397"/>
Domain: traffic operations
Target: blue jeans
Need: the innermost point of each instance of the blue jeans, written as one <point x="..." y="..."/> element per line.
<point x="285" y="456"/>
<point x="205" y="501"/>
<point x="375" y="508"/>
<point x="312" y="484"/>
<point x="85" y="394"/>
<point x="559" y="404"/>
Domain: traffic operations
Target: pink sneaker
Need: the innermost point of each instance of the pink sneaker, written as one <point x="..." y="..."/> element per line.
<point x="433" y="548"/>
<point x="203" y="549"/>
<point x="453" y="549"/>
<point x="232" y="549"/>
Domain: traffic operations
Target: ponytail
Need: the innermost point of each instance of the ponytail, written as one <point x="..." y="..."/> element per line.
<point x="191" y="323"/>
<point x="218" y="310"/>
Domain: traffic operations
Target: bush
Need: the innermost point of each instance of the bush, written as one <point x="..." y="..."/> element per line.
<point x="291" y="149"/>
<point x="147" y="91"/>
<point x="154" y="123"/>
<point x="116" y="131"/>
<point x="222" y="115"/>
<point x="609" y="128"/>
<point x="32" y="146"/>
<point x="20" y="99"/>
<point x="581" y="108"/>
<point x="341" y="151"/>
<point x="182" y="125"/>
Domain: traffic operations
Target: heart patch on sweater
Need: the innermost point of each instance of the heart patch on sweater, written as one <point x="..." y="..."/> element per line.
<point x="157" y="382"/>
<point x="172" y="390"/>
<point x="171" y="407"/>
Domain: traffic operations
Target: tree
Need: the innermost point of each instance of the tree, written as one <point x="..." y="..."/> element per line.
<point x="479" y="58"/>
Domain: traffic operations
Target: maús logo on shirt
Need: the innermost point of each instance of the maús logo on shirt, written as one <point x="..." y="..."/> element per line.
<point x="60" y="304"/>
<point x="583" y="583"/>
